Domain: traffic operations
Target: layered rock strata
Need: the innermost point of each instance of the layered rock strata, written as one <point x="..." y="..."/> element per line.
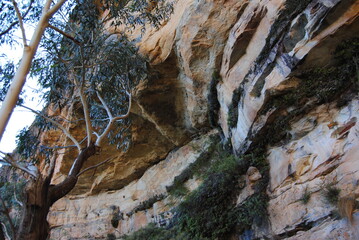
<point x="251" y="68"/>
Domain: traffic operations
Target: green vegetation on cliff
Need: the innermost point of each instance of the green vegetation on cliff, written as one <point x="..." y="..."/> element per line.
<point x="211" y="211"/>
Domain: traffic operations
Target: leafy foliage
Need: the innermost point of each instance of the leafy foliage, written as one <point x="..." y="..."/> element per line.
<point x="210" y="212"/>
<point x="320" y="85"/>
<point x="11" y="193"/>
<point x="30" y="9"/>
<point x="147" y="204"/>
<point x="80" y="50"/>
<point x="207" y="211"/>
<point x="177" y="188"/>
<point x="254" y="209"/>
<point x="7" y="72"/>
<point x="27" y="144"/>
<point x="111" y="236"/>
<point x="101" y="64"/>
<point x="156" y="233"/>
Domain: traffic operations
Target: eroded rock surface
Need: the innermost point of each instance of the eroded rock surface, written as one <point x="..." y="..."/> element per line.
<point x="85" y="217"/>
<point x="244" y="66"/>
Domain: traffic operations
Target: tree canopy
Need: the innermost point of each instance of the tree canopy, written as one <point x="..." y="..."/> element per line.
<point x="52" y="21"/>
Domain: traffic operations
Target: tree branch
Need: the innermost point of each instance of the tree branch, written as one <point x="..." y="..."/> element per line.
<point x="15" y="198"/>
<point x="12" y="162"/>
<point x="128" y="110"/>
<point x="65" y="34"/>
<point x="14" y="3"/>
<point x="59" y="190"/>
<point x="6" y="213"/>
<point x="84" y="101"/>
<point x="95" y="166"/>
<point x="109" y="114"/>
<point x="19" y="79"/>
<point x="56" y="7"/>
<point x="58" y="147"/>
<point x="16" y="22"/>
<point x="57" y="124"/>
<point x="46" y="8"/>
<point x="112" y="121"/>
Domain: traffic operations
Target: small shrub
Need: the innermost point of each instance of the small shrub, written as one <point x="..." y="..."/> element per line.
<point x="210" y="211"/>
<point x="152" y="232"/>
<point x="331" y="194"/>
<point x="254" y="209"/>
<point x="148" y="203"/>
<point x="116" y="216"/>
<point x="207" y="211"/>
<point x="177" y="190"/>
<point x="306" y="196"/>
<point x="111" y="236"/>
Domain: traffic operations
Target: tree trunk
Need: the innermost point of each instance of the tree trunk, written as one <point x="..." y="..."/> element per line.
<point x="40" y="196"/>
<point x="36" y="207"/>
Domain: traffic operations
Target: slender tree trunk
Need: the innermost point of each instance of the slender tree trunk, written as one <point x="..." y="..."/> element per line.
<point x="19" y="79"/>
<point x="40" y="196"/>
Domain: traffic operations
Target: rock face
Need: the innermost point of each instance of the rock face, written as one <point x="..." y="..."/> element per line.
<point x="76" y="217"/>
<point x="267" y="74"/>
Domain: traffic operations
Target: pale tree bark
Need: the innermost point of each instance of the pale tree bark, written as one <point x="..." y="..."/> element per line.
<point x="19" y="79"/>
<point x="112" y="119"/>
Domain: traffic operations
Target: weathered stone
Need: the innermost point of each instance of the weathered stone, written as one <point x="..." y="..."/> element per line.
<point x="311" y="163"/>
<point x="258" y="47"/>
<point x="77" y="216"/>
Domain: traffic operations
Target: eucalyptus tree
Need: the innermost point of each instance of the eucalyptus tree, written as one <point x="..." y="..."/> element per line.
<point x="84" y="66"/>
<point x="43" y="15"/>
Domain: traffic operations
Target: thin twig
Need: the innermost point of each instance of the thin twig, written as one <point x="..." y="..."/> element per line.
<point x="55" y="123"/>
<point x="56" y="7"/>
<point x="16" y="22"/>
<point x="18" y="14"/>
<point x="109" y="114"/>
<point x="65" y="34"/>
<point x="112" y="121"/>
<point x="16" y="200"/>
<point x="58" y="147"/>
<point x="10" y="160"/>
<point x="95" y="166"/>
<point x="84" y="101"/>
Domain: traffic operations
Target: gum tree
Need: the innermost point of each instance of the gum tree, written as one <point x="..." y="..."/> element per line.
<point x="82" y="66"/>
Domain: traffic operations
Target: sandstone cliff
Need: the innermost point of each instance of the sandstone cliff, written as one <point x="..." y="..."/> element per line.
<point x="279" y="77"/>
